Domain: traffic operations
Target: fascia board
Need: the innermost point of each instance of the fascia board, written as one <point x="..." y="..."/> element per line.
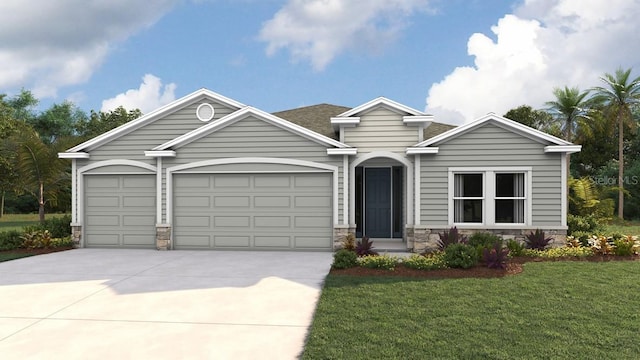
<point x="377" y="102"/>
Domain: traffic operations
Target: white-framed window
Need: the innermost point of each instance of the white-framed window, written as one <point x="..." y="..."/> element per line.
<point x="490" y="196"/>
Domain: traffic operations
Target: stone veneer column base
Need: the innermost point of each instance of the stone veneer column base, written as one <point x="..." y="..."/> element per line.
<point x="76" y="235"/>
<point x="339" y="233"/>
<point x="163" y="236"/>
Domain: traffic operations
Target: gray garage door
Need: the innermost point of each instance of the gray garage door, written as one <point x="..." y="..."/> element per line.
<point x="252" y="211"/>
<point x="120" y="211"/>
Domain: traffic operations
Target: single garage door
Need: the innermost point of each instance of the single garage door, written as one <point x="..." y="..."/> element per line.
<point x="120" y="211"/>
<point x="253" y="211"/>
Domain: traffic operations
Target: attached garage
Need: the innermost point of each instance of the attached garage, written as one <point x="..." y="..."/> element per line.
<point x="120" y="211"/>
<point x="278" y="211"/>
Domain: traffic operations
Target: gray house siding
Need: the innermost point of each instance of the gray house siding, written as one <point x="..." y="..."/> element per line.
<point x="381" y="130"/>
<point x="252" y="137"/>
<point x="133" y="145"/>
<point x="491" y="146"/>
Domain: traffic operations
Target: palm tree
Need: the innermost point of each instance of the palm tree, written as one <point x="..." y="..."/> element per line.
<point x="618" y="96"/>
<point x="571" y="107"/>
<point x="41" y="173"/>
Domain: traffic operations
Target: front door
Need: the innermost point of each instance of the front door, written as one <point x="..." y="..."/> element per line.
<point x="377" y="202"/>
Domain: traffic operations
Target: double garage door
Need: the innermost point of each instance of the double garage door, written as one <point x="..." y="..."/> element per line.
<point x="213" y="211"/>
<point x="252" y="211"/>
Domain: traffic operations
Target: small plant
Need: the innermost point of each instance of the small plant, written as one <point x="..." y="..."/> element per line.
<point x="364" y="247"/>
<point x="431" y="261"/>
<point x="449" y="237"/>
<point x="560" y="252"/>
<point x="460" y="256"/>
<point x="379" y="262"/>
<point x="602" y="246"/>
<point x="483" y="240"/>
<point x="344" y="259"/>
<point x="516" y="248"/>
<point x="537" y="240"/>
<point x="496" y="257"/>
<point x="36" y="239"/>
<point x="349" y="242"/>
<point x="625" y="246"/>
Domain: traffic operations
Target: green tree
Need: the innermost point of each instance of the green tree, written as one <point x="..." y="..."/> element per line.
<point x="40" y="173"/>
<point x="60" y="120"/>
<point x="570" y="109"/>
<point x="536" y="119"/>
<point x="619" y="95"/>
<point x="101" y="122"/>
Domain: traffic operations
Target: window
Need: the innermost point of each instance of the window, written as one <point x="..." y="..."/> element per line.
<point x="489" y="197"/>
<point x="468" y="198"/>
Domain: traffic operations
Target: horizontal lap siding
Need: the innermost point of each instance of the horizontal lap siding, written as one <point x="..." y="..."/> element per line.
<point x="251" y="137"/>
<point x="491" y="146"/>
<point x="133" y="145"/>
<point x="381" y="130"/>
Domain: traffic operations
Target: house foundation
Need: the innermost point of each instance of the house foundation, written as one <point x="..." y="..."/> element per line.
<point x="163" y="236"/>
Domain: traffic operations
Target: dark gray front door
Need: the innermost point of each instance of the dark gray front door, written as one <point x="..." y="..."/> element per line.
<point x="377" y="189"/>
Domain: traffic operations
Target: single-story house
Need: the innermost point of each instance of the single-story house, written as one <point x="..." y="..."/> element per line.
<point x="208" y="172"/>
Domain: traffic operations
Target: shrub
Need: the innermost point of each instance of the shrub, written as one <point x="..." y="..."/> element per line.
<point x="483" y="240"/>
<point x="349" y="242"/>
<point x="10" y="240"/>
<point x="344" y="259"/>
<point x="431" y="261"/>
<point x="58" y="227"/>
<point x="449" y="237"/>
<point x="62" y="242"/>
<point x="587" y="224"/>
<point x="460" y="256"/>
<point x="496" y="257"/>
<point x="379" y="262"/>
<point x="364" y="247"/>
<point x="581" y="237"/>
<point x="36" y="239"/>
<point x="537" y="240"/>
<point x="516" y="248"/>
<point x="625" y="246"/>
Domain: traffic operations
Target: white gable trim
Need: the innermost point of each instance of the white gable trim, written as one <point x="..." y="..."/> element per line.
<point x="422" y="150"/>
<point x="244" y="113"/>
<point x="152" y="116"/>
<point x="77" y="155"/>
<point x="159" y="154"/>
<point x="381" y="101"/>
<point x="117" y="162"/>
<point x="503" y="122"/>
<point x="569" y="149"/>
<point x="343" y="151"/>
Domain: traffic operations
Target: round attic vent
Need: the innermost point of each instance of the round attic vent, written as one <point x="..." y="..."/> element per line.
<point x="205" y="112"/>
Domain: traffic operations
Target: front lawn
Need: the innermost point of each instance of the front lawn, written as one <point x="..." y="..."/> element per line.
<point x="19" y="221"/>
<point x="8" y="255"/>
<point x="553" y="310"/>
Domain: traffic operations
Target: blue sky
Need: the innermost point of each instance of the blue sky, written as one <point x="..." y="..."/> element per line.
<point x="457" y="59"/>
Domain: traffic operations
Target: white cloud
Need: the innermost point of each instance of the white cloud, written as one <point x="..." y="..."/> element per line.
<point x="51" y="44"/>
<point x="319" y="30"/>
<point x="149" y="96"/>
<point x="544" y="44"/>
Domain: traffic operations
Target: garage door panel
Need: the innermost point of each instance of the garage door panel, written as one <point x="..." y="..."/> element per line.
<point x="193" y="181"/>
<point x="313" y="221"/>
<point x="312" y="201"/>
<point x="272" y="221"/>
<point x="103" y="220"/>
<point x="193" y="201"/>
<point x="193" y="221"/>
<point x="256" y="211"/>
<point x="283" y="181"/>
<point x="98" y="239"/>
<point x="272" y="241"/>
<point x="232" y="182"/>
<point x="232" y="201"/>
<point x="232" y="241"/>
<point x="120" y="210"/>
<point x="232" y="221"/>
<point x="272" y="201"/>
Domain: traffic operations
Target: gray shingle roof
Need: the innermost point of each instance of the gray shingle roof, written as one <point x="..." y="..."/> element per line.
<point x="318" y="118"/>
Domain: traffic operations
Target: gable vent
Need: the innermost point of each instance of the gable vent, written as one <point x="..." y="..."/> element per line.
<point x="205" y="112"/>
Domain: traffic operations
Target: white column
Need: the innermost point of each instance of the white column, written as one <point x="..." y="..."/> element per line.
<point x="345" y="190"/>
<point x="74" y="190"/>
<point x="563" y="191"/>
<point x="159" y="190"/>
<point x="416" y="191"/>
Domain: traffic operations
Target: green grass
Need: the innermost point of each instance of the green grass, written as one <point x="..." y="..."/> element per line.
<point x="6" y="256"/>
<point x="628" y="228"/>
<point x="553" y="310"/>
<point x="19" y="221"/>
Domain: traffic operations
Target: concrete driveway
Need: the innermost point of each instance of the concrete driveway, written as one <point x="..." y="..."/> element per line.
<point x="147" y="304"/>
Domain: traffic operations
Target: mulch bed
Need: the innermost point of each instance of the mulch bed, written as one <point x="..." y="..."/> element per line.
<point x="514" y="267"/>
